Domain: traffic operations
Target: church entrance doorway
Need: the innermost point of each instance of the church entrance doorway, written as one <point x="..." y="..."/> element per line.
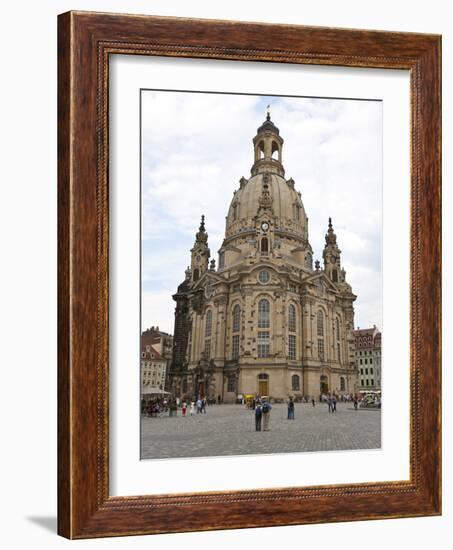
<point x="324" y="384"/>
<point x="263" y="384"/>
<point x="201" y="389"/>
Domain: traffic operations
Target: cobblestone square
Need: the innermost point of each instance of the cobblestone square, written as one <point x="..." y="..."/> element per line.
<point x="230" y="430"/>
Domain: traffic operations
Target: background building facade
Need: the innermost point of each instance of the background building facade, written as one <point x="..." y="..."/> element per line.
<point x="368" y="358"/>
<point x="266" y="321"/>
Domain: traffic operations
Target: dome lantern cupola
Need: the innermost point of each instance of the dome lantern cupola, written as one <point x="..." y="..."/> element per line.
<point x="268" y="148"/>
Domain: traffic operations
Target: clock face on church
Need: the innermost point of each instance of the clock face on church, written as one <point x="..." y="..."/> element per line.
<point x="265" y="226"/>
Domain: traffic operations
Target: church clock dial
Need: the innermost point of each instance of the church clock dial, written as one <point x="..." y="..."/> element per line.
<point x="264" y="226"/>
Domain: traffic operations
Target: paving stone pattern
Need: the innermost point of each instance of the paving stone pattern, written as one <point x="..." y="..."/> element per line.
<point x="230" y="430"/>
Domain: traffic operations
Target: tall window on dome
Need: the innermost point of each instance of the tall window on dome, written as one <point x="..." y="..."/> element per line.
<point x="263" y="314"/>
<point x="236" y="318"/>
<point x="296" y="212"/>
<point x="235" y="212"/>
<point x="320" y="323"/>
<point x="292" y="318"/>
<point x="208" y="326"/>
<point x="264" y="245"/>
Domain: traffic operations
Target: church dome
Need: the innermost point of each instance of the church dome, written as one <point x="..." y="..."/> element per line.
<point x="267" y="191"/>
<point x="286" y="204"/>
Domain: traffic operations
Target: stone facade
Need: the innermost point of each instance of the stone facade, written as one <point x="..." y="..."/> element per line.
<point x="266" y="321"/>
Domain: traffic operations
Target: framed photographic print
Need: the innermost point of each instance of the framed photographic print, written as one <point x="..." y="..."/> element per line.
<point x="249" y="275"/>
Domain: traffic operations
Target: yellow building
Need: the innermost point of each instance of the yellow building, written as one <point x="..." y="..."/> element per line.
<point x="266" y="321"/>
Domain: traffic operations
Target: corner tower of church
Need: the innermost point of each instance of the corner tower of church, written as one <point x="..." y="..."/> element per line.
<point x="265" y="322"/>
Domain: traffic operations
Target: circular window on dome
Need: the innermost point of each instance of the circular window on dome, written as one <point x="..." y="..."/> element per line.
<point x="264" y="277"/>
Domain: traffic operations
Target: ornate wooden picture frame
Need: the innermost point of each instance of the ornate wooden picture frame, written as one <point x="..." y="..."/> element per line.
<point x="85" y="507"/>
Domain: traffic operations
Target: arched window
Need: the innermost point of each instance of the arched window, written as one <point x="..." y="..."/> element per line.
<point x="292" y="318"/>
<point x="320" y="323"/>
<point x="263" y="376"/>
<point x="275" y="151"/>
<point x="295" y="382"/>
<point x="208" y="326"/>
<point x="260" y="150"/>
<point x="235" y="211"/>
<point x="196" y="275"/>
<point x="337" y="326"/>
<point x="334" y="275"/>
<point x="236" y="318"/>
<point x="264" y="245"/>
<point x="263" y="314"/>
<point x="342" y="384"/>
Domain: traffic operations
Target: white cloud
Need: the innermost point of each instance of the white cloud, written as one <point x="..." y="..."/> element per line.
<point x="197" y="146"/>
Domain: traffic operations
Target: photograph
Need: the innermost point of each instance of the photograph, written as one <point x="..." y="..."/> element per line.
<point x="261" y="274"/>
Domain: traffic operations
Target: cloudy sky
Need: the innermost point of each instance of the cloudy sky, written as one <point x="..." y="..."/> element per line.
<point x="196" y="147"/>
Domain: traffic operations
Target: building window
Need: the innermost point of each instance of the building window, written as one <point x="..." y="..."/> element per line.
<point x="367" y="382"/>
<point x="334" y="275"/>
<point x="231" y="385"/>
<point x="263" y="314"/>
<point x="264" y="276"/>
<point x="295" y="382"/>
<point x="221" y="260"/>
<point x="292" y="346"/>
<point x="361" y="371"/>
<point x="366" y="371"/>
<point x="207" y="349"/>
<point x="371" y="371"/>
<point x="264" y="245"/>
<point x="342" y="384"/>
<point x="296" y="211"/>
<point x="235" y="212"/>
<point x="263" y="344"/>
<point x="366" y="361"/>
<point x="372" y="381"/>
<point x="196" y="275"/>
<point x="320" y="323"/>
<point x="208" y="326"/>
<point x="292" y="318"/>
<point x="361" y="361"/>
<point x="235" y="347"/>
<point x="371" y="360"/>
<point x="236" y="318"/>
<point x="338" y="351"/>
<point x="321" y="349"/>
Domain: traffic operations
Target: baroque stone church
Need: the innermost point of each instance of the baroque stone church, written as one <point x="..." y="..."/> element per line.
<point x="266" y="321"/>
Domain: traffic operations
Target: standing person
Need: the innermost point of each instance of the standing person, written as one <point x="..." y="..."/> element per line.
<point x="290" y="409"/>
<point x="192" y="408"/>
<point x="184" y="408"/>
<point x="313" y="401"/>
<point x="199" y="404"/>
<point x="203" y="405"/>
<point x="266" y="409"/>
<point x="258" y="417"/>
<point x="329" y="403"/>
<point x="355" y="402"/>
<point x="334" y="403"/>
